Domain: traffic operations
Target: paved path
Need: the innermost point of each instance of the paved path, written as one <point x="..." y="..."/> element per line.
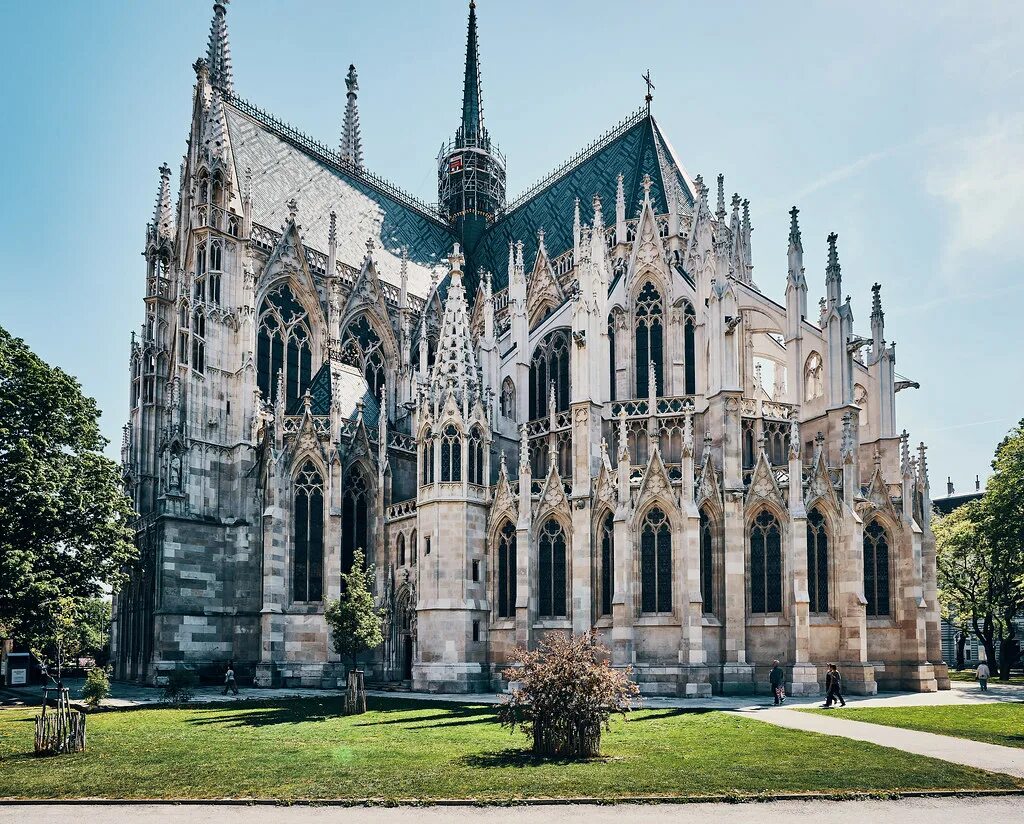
<point x="906" y="811"/>
<point x="991" y="757"/>
<point x="133" y="695"/>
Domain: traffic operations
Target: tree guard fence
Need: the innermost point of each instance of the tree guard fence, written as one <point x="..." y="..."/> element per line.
<point x="60" y="729"/>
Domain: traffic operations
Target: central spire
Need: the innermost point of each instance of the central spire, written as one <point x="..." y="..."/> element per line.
<point x="472" y="101"/>
<point x="218" y="55"/>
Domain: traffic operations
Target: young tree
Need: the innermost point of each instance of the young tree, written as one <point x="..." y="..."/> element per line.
<point x="65" y="522"/>
<point x="354" y="620"/>
<point x="567" y="695"/>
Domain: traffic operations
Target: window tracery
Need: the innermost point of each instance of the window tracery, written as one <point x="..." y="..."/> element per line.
<point x="550" y="365"/>
<point x="765" y="564"/>
<point x="876" y="569"/>
<point x="508" y="399"/>
<point x="656" y="563"/>
<point x="283" y="345"/>
<point x="606" y="535"/>
<point x="355" y="508"/>
<point x="552" y="571"/>
<point x="817" y="561"/>
<point x="476" y="456"/>
<point x="451" y="455"/>
<point x="308" y="535"/>
<point x="649" y="333"/>
<point x="707" y="562"/>
<point x="362" y="348"/>
<point x="814" y="386"/>
<point x="506" y="567"/>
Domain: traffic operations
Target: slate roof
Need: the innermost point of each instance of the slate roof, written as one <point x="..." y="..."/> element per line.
<point x="635" y="148"/>
<point x="281" y="170"/>
<point x="350" y="388"/>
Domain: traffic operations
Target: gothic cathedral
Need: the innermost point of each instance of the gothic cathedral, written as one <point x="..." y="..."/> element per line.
<point x="574" y="411"/>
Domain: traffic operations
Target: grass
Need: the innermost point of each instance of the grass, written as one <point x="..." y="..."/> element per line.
<point x="411" y="750"/>
<point x="969" y="675"/>
<point x="1001" y="723"/>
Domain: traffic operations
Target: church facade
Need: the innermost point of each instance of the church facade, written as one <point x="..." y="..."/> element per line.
<point x="574" y="411"/>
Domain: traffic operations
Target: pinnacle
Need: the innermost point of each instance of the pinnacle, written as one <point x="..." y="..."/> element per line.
<point x="794" y="229"/>
<point x="218" y="56"/>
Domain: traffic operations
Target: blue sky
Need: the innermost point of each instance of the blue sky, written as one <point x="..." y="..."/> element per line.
<point x="899" y="126"/>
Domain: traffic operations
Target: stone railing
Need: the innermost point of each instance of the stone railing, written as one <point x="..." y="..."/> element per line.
<point x="401" y="510"/>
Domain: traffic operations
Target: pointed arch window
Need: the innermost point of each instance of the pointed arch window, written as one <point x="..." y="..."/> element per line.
<point x="308" y="535"/>
<point x="689" y="348"/>
<point x="427" y="460"/>
<point x="551" y="576"/>
<point x="476" y="456"/>
<point x="814" y="386"/>
<point x="451" y="455"/>
<point x="508" y="399"/>
<point x="550" y="366"/>
<point x="606" y="536"/>
<point x="355" y="508"/>
<point x="362" y="348"/>
<point x="707" y="562"/>
<point x="198" y="341"/>
<point x="400" y="549"/>
<point x="414" y="548"/>
<point x="204" y="186"/>
<point x="506" y="567"/>
<point x="656" y="563"/>
<point x="649" y="331"/>
<point x="817" y="561"/>
<point x="876" y="569"/>
<point x="283" y="347"/>
<point x="611" y="357"/>
<point x="765" y="564"/>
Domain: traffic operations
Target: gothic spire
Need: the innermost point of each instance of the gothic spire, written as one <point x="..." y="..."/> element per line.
<point x="455" y="365"/>
<point x="472" y="100"/>
<point x="794" y="230"/>
<point x="351" y="141"/>
<point x="720" y="211"/>
<point x="833" y="274"/>
<point x="218" y="57"/>
<point x="163" y="216"/>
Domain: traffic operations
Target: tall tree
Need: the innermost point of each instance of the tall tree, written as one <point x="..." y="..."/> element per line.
<point x="354" y="620"/>
<point x="66" y="530"/>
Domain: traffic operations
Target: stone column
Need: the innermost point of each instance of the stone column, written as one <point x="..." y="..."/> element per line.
<point x="804" y="678"/>
<point x="694" y="679"/>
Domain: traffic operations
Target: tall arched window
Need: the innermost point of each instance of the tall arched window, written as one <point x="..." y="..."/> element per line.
<point x="550" y="364"/>
<point x="707" y="562"/>
<point x="649" y="340"/>
<point x="765" y="564"/>
<point x="427" y="460"/>
<point x="551" y="576"/>
<point x="508" y="399"/>
<point x="814" y="386"/>
<point x="611" y="357"/>
<point x="308" y="535"/>
<point x="606" y="535"/>
<point x="414" y="549"/>
<point x="361" y="347"/>
<point x="451" y="454"/>
<point x="506" y="567"/>
<point x="876" y="569"/>
<point x="656" y="563"/>
<point x="198" y="340"/>
<point x="400" y="549"/>
<point x="355" y="508"/>
<point x="476" y="456"/>
<point x="817" y="561"/>
<point x="689" y="348"/>
<point x="283" y="345"/>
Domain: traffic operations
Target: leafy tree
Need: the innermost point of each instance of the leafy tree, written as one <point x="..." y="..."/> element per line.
<point x="981" y="556"/>
<point x="96" y="687"/>
<point x="567" y="695"/>
<point x="354" y="620"/>
<point x="65" y="522"/>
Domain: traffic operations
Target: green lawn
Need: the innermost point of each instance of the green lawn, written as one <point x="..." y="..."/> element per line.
<point x="1001" y="723"/>
<point x="410" y="750"/>
<point x="969" y="675"/>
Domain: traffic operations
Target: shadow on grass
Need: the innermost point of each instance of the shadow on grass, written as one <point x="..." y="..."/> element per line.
<point x="654" y="715"/>
<point x="521" y="759"/>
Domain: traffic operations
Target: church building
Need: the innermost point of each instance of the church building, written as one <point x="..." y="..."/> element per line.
<point x="571" y="411"/>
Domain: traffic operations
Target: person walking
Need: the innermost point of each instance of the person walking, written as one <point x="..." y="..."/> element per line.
<point x="983" y="675"/>
<point x="777" y="679"/>
<point x="833" y="687"/>
<point x="229" y="679"/>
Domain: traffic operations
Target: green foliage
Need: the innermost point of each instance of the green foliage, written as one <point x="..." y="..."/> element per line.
<point x="181" y="685"/>
<point x="96" y="687"/>
<point x="354" y="620"/>
<point x="65" y="522"/>
<point x="980" y="555"/>
<point x="567" y="694"/>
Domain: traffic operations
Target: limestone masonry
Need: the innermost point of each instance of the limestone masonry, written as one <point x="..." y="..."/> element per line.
<point x="574" y="411"/>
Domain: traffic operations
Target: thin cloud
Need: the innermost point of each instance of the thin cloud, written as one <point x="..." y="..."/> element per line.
<point x="965" y="425"/>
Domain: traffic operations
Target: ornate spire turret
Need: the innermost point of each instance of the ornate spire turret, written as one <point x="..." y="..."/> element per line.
<point x="472" y="128"/>
<point x="833" y="273"/>
<point x="877" y="321"/>
<point x="796" y="253"/>
<point x="720" y="210"/>
<point x="218" y="55"/>
<point x="455" y="364"/>
<point x="163" y="215"/>
<point x="351" y="141"/>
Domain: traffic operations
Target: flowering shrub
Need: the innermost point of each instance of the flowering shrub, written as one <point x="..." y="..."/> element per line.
<point x="567" y="695"/>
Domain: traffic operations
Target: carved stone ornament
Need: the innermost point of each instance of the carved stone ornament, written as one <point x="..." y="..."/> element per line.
<point x="763" y="485"/>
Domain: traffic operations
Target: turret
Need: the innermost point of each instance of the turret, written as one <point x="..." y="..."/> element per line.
<point x="796" y="284"/>
<point x="470" y="171"/>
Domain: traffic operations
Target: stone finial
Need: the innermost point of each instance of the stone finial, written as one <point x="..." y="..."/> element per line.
<point x="524" y="452"/>
<point x="819" y="445"/>
<point x="847" y="447"/>
<point x="332" y="231"/>
<point x="794" y="229"/>
<point x="218" y="54"/>
<point x="720" y="210"/>
<point x="623" y="437"/>
<point x="877" y="458"/>
<point x="794" y="435"/>
<point x="706" y="454"/>
<point x="502" y="466"/>
<point x="541" y="248"/>
<point x="292" y="205"/>
<point x="922" y="463"/>
<point x="598" y="214"/>
<point x="351" y="147"/>
<point x="688" y="430"/>
<point x="646" y="183"/>
<point x="604" y="451"/>
<point x="905" y="454"/>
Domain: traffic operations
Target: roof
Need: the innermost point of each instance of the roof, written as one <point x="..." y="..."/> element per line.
<point x="636" y="147"/>
<point x="283" y="166"/>
<point x="946" y="505"/>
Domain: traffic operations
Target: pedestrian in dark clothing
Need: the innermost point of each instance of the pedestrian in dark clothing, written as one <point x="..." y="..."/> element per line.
<point x="833" y="687"/>
<point x="777" y="678"/>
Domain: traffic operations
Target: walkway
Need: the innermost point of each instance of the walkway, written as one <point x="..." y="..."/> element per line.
<point x="991" y="757"/>
<point x="822" y="811"/>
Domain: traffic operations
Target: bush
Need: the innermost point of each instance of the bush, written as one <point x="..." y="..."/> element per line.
<point x="180" y="686"/>
<point x="568" y="695"/>
<point x="97" y="686"/>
